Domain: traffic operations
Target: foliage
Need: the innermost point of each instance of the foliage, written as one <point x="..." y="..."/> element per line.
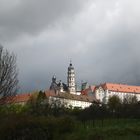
<point x="114" y="103"/>
<point x="39" y="119"/>
<point x="30" y="127"/>
<point x="130" y="100"/>
<point x="37" y="104"/>
<point x="12" y="109"/>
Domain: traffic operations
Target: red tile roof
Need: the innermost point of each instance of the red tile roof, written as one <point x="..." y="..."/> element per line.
<point x="121" y="88"/>
<point x="71" y="96"/>
<point x="93" y="88"/>
<point x="86" y="91"/>
<point x="15" y="99"/>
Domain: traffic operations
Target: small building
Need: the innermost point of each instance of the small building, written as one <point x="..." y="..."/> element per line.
<point x="88" y="91"/>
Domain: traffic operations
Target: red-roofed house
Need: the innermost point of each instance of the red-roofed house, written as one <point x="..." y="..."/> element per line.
<point x="106" y="90"/>
<point x="66" y="99"/>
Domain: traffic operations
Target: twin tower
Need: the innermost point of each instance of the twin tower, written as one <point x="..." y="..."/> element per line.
<point x="71" y="79"/>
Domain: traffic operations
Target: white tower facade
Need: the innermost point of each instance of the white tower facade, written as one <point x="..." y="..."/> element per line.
<point x="71" y="79"/>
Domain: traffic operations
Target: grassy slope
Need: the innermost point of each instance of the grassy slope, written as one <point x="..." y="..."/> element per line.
<point x="112" y="129"/>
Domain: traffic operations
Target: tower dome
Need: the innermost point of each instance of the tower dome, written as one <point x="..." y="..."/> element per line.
<point x="71" y="79"/>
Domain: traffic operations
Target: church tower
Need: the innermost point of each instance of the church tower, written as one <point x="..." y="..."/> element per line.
<point x="71" y="79"/>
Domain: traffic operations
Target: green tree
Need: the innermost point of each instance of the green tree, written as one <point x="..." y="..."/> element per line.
<point x="114" y="104"/>
<point x="130" y="100"/>
<point x="57" y="107"/>
<point x="38" y="104"/>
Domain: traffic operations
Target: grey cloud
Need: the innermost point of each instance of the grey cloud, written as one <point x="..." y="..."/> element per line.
<point x="101" y="38"/>
<point x="32" y="16"/>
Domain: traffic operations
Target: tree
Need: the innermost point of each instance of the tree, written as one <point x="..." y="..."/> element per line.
<point x="38" y="104"/>
<point x="114" y="104"/>
<point x="130" y="100"/>
<point x="8" y="73"/>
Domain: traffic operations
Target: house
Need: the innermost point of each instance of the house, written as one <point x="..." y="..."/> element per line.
<point x="71" y="100"/>
<point x="66" y="99"/>
<point x="104" y="91"/>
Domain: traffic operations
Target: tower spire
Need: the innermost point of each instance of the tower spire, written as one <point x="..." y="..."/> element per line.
<point x="70" y="62"/>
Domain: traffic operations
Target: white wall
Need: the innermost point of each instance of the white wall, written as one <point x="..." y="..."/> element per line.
<point x="103" y="95"/>
<point x="69" y="102"/>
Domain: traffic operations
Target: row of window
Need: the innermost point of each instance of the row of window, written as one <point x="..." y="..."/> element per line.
<point x="120" y="93"/>
<point x="78" y="103"/>
<point x="71" y="74"/>
<point x="72" y="84"/>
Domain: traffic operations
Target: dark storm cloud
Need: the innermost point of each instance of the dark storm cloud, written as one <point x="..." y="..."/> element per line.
<point x="101" y="37"/>
<point x="32" y="16"/>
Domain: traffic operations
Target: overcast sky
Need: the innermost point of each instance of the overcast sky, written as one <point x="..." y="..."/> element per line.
<point x="101" y="37"/>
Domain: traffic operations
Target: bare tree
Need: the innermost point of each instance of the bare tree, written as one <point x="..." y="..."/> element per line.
<point x="8" y="73"/>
